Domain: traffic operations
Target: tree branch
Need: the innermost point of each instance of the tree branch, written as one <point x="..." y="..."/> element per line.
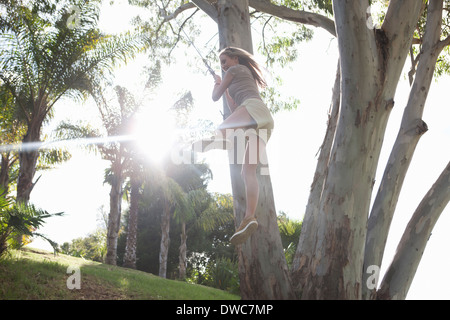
<point x="400" y="15"/>
<point x="398" y="30"/>
<point x="414" y="62"/>
<point x="282" y="12"/>
<point x="204" y="5"/>
<point x="285" y="13"/>
<point x="399" y="275"/>
<point x="444" y="43"/>
<point x="208" y="8"/>
<point x="179" y="10"/>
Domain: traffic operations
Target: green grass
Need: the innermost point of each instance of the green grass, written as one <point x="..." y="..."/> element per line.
<point x="36" y="274"/>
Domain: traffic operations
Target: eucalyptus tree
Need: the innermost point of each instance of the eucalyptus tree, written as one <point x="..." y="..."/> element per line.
<point x="234" y="30"/>
<point x="51" y="49"/>
<point x="343" y="235"/>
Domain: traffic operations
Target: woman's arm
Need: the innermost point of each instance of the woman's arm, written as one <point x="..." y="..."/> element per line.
<point x="221" y="85"/>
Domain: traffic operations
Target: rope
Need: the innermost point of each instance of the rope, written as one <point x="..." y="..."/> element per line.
<point x="189" y="40"/>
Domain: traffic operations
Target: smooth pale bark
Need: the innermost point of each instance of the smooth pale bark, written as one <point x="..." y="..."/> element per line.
<point x="412" y="128"/>
<point x="334" y="271"/>
<point x="400" y="273"/>
<point x="367" y="90"/>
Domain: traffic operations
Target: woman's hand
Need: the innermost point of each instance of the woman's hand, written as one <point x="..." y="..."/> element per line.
<point x="221" y="86"/>
<point x="217" y="80"/>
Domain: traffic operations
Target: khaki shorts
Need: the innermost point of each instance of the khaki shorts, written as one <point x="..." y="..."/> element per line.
<point x="261" y="114"/>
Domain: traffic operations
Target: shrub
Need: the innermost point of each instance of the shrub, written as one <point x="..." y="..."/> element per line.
<point x="19" y="222"/>
<point x="223" y="274"/>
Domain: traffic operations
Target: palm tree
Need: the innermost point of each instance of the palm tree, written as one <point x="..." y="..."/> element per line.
<point x="117" y="116"/>
<point x="180" y="189"/>
<point x="194" y="208"/>
<point x="208" y="213"/>
<point x="11" y="129"/>
<point x="289" y="232"/>
<point x="174" y="201"/>
<point x="43" y="58"/>
<point x="202" y="208"/>
<point x="129" y="259"/>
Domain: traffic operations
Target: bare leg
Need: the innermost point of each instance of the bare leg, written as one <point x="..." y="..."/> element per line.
<point x="239" y="119"/>
<point x="251" y="189"/>
<point x="256" y="148"/>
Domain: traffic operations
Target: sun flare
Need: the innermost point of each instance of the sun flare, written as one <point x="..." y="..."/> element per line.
<point x="155" y="133"/>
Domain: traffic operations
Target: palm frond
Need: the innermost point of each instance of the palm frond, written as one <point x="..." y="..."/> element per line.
<point x="21" y="219"/>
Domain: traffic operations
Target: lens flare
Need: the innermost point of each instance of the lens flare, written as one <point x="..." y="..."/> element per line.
<point x="155" y="134"/>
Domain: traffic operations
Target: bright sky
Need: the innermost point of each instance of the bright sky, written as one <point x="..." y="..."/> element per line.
<point x="77" y="186"/>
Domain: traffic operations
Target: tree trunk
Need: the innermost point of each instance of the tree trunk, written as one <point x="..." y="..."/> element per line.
<point x="28" y="159"/>
<point x="27" y="163"/>
<point x="338" y="242"/>
<point x="334" y="271"/>
<point x="412" y="128"/>
<point x="370" y="69"/>
<point x="400" y="273"/>
<point x="305" y="249"/>
<point x="129" y="260"/>
<point x="4" y="173"/>
<point x="115" y="210"/>
<point x="165" y="240"/>
<point x="259" y="279"/>
<point x="183" y="252"/>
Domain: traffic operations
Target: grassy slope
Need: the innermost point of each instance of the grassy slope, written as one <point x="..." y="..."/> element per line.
<point x="37" y="274"/>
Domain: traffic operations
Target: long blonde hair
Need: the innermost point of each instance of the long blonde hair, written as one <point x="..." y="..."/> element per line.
<point x="245" y="58"/>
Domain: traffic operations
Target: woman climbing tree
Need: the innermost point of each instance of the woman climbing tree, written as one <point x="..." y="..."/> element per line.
<point x="248" y="112"/>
